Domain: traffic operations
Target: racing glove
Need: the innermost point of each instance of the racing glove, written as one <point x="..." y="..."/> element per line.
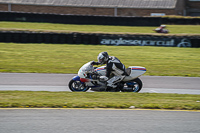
<point x="95" y="63"/>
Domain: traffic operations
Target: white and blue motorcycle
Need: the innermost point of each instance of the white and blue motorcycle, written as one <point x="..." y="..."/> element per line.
<point x="84" y="81"/>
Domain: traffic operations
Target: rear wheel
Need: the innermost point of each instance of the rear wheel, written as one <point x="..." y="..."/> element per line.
<point x="133" y="86"/>
<point x="78" y="86"/>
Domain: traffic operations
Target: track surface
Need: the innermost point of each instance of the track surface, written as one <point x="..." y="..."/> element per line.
<point x="59" y="82"/>
<point x="97" y="121"/>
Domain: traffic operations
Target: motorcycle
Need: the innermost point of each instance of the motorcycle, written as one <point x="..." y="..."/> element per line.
<point x="84" y="81"/>
<point x="161" y="31"/>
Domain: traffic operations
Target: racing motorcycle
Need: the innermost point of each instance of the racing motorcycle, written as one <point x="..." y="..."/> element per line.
<point x="158" y="30"/>
<point x="84" y="81"/>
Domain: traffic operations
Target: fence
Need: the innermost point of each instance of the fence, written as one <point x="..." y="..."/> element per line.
<point x="99" y="39"/>
<point x="94" y="20"/>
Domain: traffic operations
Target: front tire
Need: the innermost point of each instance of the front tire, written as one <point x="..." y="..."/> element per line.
<point x="133" y="85"/>
<point x="77" y="86"/>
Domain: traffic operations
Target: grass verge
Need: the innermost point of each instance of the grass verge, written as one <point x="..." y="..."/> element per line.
<point x="26" y="99"/>
<point x="47" y="27"/>
<point x="62" y="58"/>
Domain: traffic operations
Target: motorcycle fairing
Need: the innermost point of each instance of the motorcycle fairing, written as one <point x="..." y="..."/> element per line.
<point x="82" y="80"/>
<point x="136" y="71"/>
<point x="76" y="78"/>
<point x="138" y="68"/>
<point x="87" y="81"/>
<point x="99" y="69"/>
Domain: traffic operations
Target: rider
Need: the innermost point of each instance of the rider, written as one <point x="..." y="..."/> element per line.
<point x="113" y="67"/>
<point x="161" y="29"/>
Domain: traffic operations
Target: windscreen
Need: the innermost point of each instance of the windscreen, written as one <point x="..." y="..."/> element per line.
<point x="87" y="68"/>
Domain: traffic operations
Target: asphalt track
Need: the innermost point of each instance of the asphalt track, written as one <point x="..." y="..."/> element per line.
<point x="97" y="121"/>
<point x="59" y="82"/>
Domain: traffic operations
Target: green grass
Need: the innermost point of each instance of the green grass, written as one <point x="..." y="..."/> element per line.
<point x="174" y="29"/>
<point x="63" y="58"/>
<point x="25" y="99"/>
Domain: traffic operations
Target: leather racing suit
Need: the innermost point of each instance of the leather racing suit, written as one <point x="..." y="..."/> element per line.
<point x="115" y="71"/>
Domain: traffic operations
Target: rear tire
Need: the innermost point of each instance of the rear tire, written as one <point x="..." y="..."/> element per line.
<point x="77" y="86"/>
<point x="133" y="86"/>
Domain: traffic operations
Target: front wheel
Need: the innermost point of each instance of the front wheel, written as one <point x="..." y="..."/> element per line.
<point x="132" y="86"/>
<point x="75" y="85"/>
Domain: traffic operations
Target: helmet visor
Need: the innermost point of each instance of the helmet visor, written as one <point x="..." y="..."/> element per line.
<point x="100" y="58"/>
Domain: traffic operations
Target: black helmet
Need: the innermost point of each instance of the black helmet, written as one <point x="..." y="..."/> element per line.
<point x="102" y="57"/>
